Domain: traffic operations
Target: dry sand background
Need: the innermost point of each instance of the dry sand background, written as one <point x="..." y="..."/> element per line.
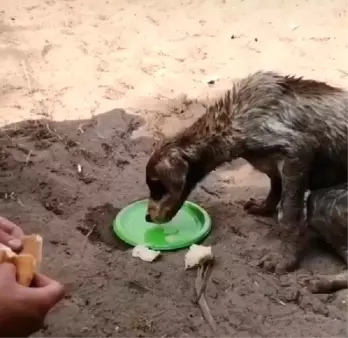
<point x="77" y="64"/>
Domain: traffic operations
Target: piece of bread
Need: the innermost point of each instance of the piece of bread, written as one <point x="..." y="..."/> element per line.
<point x="28" y="261"/>
<point x="32" y="245"/>
<point x="5" y="254"/>
<point x="197" y="255"/>
<point x="144" y="253"/>
<point x="25" y="267"/>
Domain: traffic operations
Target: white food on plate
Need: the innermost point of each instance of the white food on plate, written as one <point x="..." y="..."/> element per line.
<point x="170" y="238"/>
<point x="197" y="254"/>
<point x="144" y="253"/>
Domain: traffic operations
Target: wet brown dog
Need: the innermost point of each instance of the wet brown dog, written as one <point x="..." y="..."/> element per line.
<point x="293" y="130"/>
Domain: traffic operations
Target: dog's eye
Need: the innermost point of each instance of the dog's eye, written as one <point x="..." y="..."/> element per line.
<point x="157" y="189"/>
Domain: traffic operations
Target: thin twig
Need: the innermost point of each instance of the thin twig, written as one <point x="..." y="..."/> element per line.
<point x="207" y="270"/>
<point x="86" y="240"/>
<point x="202" y="301"/>
<point x="270" y="224"/>
<point x="28" y="157"/>
<point x="343" y="72"/>
<point x="91" y="123"/>
<point x="80" y="129"/>
<point x="208" y="191"/>
<point x="20" y="202"/>
<point x="52" y="131"/>
<point x="26" y="151"/>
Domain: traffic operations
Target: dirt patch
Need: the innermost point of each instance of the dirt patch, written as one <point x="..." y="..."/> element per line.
<point x="98" y="226"/>
<point x="68" y="180"/>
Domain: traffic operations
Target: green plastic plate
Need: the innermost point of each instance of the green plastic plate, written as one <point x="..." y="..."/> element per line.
<point x="190" y="225"/>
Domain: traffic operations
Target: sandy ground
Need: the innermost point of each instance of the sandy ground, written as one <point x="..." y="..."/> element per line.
<point x="88" y="82"/>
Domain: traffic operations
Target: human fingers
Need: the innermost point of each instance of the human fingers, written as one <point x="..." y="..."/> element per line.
<point x="10" y="234"/>
<point x="11" y="227"/>
<point x="18" y="317"/>
<point x="12" y="242"/>
<point x="40" y="280"/>
<point x="45" y="294"/>
<point x="7" y="273"/>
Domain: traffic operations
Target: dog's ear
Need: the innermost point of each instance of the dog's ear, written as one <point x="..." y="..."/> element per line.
<point x="173" y="170"/>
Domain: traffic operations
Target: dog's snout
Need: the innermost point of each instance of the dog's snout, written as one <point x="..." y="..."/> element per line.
<point x="148" y="218"/>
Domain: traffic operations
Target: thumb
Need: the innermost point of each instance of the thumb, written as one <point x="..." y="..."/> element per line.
<point x="46" y="292"/>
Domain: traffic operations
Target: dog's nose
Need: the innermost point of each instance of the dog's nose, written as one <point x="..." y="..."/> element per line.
<point x="148" y="218"/>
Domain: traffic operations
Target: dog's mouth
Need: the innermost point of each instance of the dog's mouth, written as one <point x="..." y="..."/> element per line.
<point x="159" y="219"/>
<point x="163" y="211"/>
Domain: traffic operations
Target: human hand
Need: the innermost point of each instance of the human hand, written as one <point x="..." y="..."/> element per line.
<point x="23" y="309"/>
<point x="10" y="234"/>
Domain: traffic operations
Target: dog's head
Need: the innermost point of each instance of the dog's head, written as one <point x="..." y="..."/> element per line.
<point x="166" y="177"/>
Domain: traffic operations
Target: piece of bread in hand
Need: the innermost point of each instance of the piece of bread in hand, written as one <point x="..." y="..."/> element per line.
<point x="32" y="245"/>
<point x="25" y="267"/>
<point x="28" y="261"/>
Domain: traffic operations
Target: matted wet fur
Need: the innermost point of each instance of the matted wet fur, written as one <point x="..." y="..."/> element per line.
<point x="293" y="130"/>
<point x="327" y="214"/>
